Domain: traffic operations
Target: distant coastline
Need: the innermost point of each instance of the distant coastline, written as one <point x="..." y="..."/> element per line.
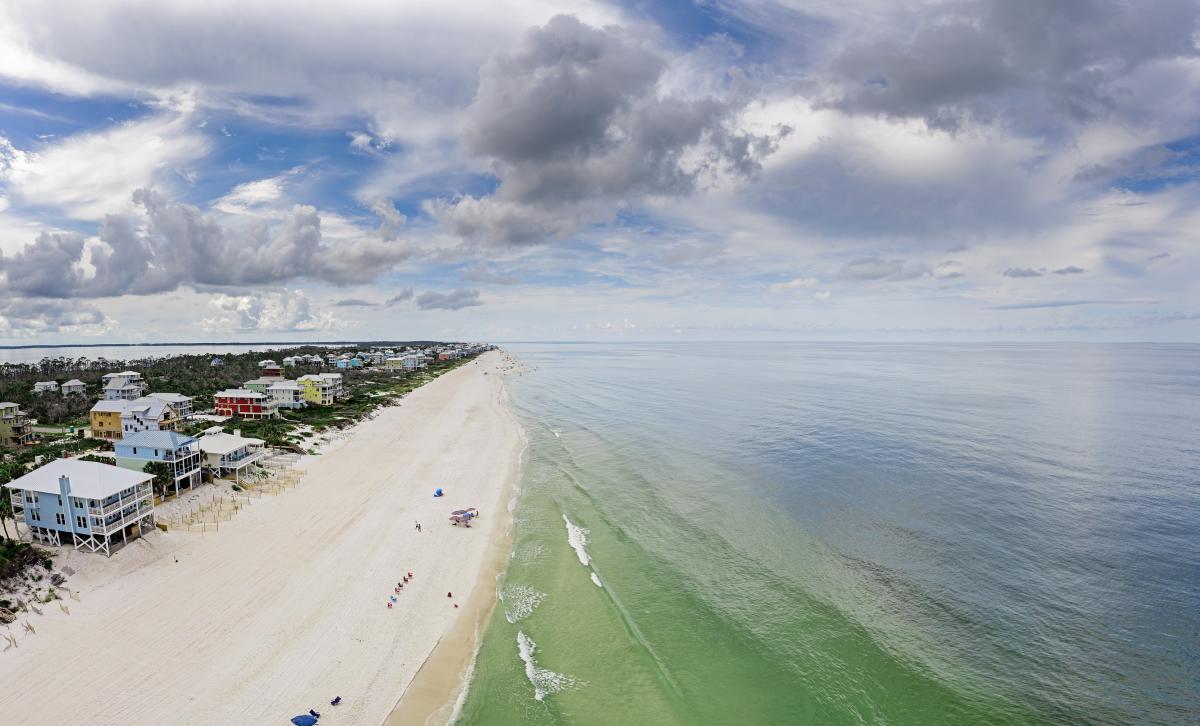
<point x="275" y="343"/>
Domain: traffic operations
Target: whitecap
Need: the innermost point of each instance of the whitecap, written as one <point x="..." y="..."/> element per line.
<point x="545" y="682"/>
<point x="520" y="602"/>
<point x="596" y="579"/>
<point x="577" y="538"/>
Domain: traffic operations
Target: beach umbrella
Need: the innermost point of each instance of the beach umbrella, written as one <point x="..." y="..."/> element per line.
<point x="304" y="720"/>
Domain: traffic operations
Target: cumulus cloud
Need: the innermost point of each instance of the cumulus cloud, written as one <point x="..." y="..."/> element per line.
<point x="175" y="244"/>
<point x="575" y="123"/>
<point x="453" y="300"/>
<point x="32" y="317"/>
<point x="280" y="311"/>
<point x="1032" y="63"/>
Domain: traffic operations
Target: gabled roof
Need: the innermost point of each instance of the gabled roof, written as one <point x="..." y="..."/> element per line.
<point x="157" y="439"/>
<point x="281" y="385"/>
<point x="74" y="382"/>
<point x="171" y="397"/>
<point x="148" y="405"/>
<point x="89" y="479"/>
<point x="111" y="406"/>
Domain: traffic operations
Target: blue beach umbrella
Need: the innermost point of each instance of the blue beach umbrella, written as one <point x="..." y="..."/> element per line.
<point x="304" y="720"/>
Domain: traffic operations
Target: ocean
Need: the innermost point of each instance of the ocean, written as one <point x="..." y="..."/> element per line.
<point x="778" y="533"/>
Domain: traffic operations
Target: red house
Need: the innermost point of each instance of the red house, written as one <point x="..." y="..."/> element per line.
<point x="270" y="369"/>
<point x="244" y="404"/>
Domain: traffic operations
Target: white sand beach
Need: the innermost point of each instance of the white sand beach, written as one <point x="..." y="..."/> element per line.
<point x="285" y="607"/>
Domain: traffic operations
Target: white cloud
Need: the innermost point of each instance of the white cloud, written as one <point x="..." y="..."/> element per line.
<point x="93" y="174"/>
<point x="268" y="312"/>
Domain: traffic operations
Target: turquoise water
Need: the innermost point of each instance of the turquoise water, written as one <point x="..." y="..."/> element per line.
<point x="806" y="533"/>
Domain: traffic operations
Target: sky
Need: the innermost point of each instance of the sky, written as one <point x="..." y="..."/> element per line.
<point x="586" y="170"/>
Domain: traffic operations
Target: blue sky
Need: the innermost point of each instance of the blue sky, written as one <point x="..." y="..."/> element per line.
<point x="969" y="169"/>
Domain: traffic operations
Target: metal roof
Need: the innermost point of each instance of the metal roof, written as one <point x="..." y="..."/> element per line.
<point x="157" y="439"/>
<point x="88" y="479"/>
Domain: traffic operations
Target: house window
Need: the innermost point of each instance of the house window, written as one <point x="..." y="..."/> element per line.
<point x="31" y="497"/>
<point x="135" y="451"/>
<point x="60" y="518"/>
<point x="80" y="522"/>
<point x="35" y="514"/>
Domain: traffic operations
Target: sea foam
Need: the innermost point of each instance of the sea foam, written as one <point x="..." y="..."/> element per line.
<point x="577" y="538"/>
<point x="545" y="682"/>
<point x="596" y="579"/>
<point x="520" y="601"/>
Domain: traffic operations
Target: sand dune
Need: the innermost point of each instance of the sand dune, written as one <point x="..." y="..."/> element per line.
<point x="284" y="608"/>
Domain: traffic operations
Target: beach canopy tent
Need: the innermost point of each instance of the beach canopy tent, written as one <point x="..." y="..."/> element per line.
<point x="304" y="720"/>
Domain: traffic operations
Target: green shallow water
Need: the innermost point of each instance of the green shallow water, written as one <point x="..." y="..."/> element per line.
<point x="777" y="551"/>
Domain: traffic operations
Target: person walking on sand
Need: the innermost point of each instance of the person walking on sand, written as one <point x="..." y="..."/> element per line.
<point x="418" y="526"/>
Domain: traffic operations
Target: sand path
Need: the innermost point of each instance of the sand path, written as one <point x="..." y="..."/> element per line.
<point x="284" y="608"/>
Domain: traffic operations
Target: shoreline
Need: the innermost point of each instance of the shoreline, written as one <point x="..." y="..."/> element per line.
<point x="284" y="607"/>
<point x="438" y="688"/>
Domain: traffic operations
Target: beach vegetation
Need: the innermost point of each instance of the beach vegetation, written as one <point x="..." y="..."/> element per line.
<point x="18" y="558"/>
<point x="163" y="476"/>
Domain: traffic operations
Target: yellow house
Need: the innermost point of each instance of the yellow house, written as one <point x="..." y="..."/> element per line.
<point x="105" y="418"/>
<point x="316" y="390"/>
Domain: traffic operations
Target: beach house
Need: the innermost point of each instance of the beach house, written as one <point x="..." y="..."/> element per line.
<point x="105" y="420"/>
<point x="335" y="381"/>
<point x="316" y="360"/>
<point x="181" y="403"/>
<point x="45" y="387"/>
<point x="244" y="404"/>
<point x="230" y="453"/>
<point x="286" y="394"/>
<point x="123" y="386"/>
<point x="292" y="360"/>
<point x="179" y="452"/>
<point x="316" y="389"/>
<point x="260" y="385"/>
<point x="73" y="387"/>
<point x="394" y="363"/>
<point x="14" y="426"/>
<point x="270" y="369"/>
<point x="113" y="420"/>
<point x="216" y="362"/>
<point x="86" y="504"/>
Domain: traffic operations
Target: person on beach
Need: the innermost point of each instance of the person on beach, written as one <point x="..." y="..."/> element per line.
<point x="418" y="526"/>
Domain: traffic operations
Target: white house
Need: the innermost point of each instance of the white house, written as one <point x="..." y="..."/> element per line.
<point x="335" y="381"/>
<point x="230" y="453"/>
<point x="83" y="503"/>
<point x="286" y="394"/>
<point x="123" y="386"/>
<point x="73" y="387"/>
<point x="181" y="403"/>
<point x="45" y="387"/>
